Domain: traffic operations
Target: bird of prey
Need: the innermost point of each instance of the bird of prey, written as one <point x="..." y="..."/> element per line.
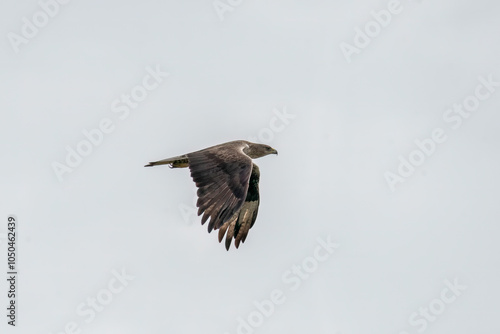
<point x="228" y="185"/>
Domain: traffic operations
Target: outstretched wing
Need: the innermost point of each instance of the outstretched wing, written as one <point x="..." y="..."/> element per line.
<point x="222" y="175"/>
<point x="241" y="222"/>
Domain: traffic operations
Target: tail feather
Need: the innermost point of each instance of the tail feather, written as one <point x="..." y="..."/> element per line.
<point x="181" y="161"/>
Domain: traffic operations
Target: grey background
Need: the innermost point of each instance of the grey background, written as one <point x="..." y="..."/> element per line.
<point x="352" y="121"/>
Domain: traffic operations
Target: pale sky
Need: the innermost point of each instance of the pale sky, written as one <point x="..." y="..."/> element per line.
<point x="380" y="215"/>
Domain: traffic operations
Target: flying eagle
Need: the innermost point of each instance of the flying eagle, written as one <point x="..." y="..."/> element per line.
<point x="228" y="185"/>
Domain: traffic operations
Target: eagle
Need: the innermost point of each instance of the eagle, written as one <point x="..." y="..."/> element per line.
<point x="228" y="185"/>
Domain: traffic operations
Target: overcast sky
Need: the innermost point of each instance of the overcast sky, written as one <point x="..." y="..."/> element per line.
<point x="380" y="215"/>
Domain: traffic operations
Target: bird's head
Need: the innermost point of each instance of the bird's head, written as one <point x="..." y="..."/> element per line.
<point x="259" y="150"/>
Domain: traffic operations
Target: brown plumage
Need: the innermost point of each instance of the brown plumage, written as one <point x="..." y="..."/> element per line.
<point x="228" y="185"/>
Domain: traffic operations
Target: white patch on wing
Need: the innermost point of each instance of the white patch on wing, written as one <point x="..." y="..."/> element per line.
<point x="245" y="215"/>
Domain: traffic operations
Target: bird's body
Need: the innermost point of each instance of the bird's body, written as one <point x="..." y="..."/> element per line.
<point x="228" y="185"/>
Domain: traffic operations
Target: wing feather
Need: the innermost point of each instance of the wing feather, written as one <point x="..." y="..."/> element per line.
<point x="222" y="175"/>
<point x="241" y="222"/>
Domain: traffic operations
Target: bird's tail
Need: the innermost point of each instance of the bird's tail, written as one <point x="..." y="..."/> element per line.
<point x="181" y="161"/>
